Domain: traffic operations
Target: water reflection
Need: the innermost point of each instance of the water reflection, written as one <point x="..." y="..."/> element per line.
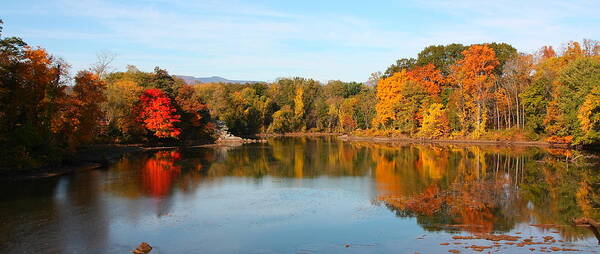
<point x="446" y="189"/>
<point x="449" y="188"/>
<point x="487" y="189"/>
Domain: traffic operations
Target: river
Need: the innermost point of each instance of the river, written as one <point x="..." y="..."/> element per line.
<point x="311" y="195"/>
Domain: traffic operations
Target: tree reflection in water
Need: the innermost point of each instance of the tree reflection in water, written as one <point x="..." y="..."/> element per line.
<point x="160" y="171"/>
<point x="484" y="190"/>
<point x="445" y="187"/>
<point x="306" y="185"/>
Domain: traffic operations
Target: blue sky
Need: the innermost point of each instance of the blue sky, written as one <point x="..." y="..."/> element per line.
<point x="264" y="40"/>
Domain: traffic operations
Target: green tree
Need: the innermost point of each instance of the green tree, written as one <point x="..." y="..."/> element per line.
<point x="401" y="64"/>
<point x="577" y="81"/>
<point x="535" y="100"/>
<point x="441" y="56"/>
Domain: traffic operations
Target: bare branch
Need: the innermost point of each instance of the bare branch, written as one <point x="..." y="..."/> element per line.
<point x="103" y="64"/>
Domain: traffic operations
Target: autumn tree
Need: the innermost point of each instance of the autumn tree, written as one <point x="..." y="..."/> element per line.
<point x="347" y="115"/>
<point x="121" y="97"/>
<point x="589" y="117"/>
<point x="547" y="52"/>
<point x="435" y="122"/>
<point x="283" y="120"/>
<point x="429" y="77"/>
<point x="576" y="83"/>
<point x="388" y="94"/>
<point x="195" y="117"/>
<point x="157" y="114"/>
<point x="401" y="102"/>
<point x="88" y="95"/>
<point x="591" y="47"/>
<point x="516" y="77"/>
<point x="243" y="117"/>
<point x="364" y="112"/>
<point x="374" y="78"/>
<point x="537" y="96"/>
<point x="474" y="76"/>
<point x="32" y="94"/>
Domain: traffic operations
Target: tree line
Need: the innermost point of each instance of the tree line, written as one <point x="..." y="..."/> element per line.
<point x="492" y="90"/>
<point x="453" y="91"/>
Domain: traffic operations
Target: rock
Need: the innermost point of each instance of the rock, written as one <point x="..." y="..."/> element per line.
<point x="143" y="248"/>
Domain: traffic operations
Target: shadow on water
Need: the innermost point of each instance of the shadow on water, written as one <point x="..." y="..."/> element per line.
<point x="443" y="188"/>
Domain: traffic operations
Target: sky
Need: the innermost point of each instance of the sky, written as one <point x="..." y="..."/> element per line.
<point x="264" y="40"/>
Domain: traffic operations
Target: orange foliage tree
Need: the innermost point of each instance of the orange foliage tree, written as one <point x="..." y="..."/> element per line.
<point x="401" y="103"/>
<point x="474" y="75"/>
<point x="388" y="93"/>
<point x="428" y="76"/>
<point x="87" y="96"/>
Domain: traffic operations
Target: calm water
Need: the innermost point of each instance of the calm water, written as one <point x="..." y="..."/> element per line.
<point x="306" y="195"/>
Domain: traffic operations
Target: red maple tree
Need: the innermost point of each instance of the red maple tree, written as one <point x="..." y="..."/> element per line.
<point x="157" y="114"/>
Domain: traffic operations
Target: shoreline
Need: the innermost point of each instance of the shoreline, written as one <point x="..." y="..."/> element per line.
<point x="299" y="134"/>
<point x="406" y="140"/>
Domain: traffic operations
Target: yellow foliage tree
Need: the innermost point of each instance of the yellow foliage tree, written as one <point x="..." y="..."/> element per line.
<point x="435" y="122"/>
<point x="299" y="109"/>
<point x="589" y="116"/>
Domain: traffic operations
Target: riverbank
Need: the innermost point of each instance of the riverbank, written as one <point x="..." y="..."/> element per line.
<point x="407" y="140"/>
<point x="299" y="134"/>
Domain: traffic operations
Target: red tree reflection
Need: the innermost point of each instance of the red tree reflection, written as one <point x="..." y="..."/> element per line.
<point x="160" y="171"/>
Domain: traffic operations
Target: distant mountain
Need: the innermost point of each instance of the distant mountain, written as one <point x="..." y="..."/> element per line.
<point x="214" y="79"/>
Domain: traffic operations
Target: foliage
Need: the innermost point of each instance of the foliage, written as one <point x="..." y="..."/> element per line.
<point x="474" y="76"/>
<point x="195" y="117"/>
<point x="158" y="114"/>
<point x="435" y="122"/>
<point x="575" y="84"/>
<point x="589" y="117"/>
<point x="121" y="97"/>
<point x="283" y="120"/>
<point x="32" y="96"/>
<point x="442" y="57"/>
<point x="401" y="64"/>
<point x="87" y="96"/>
<point x="401" y="102"/>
